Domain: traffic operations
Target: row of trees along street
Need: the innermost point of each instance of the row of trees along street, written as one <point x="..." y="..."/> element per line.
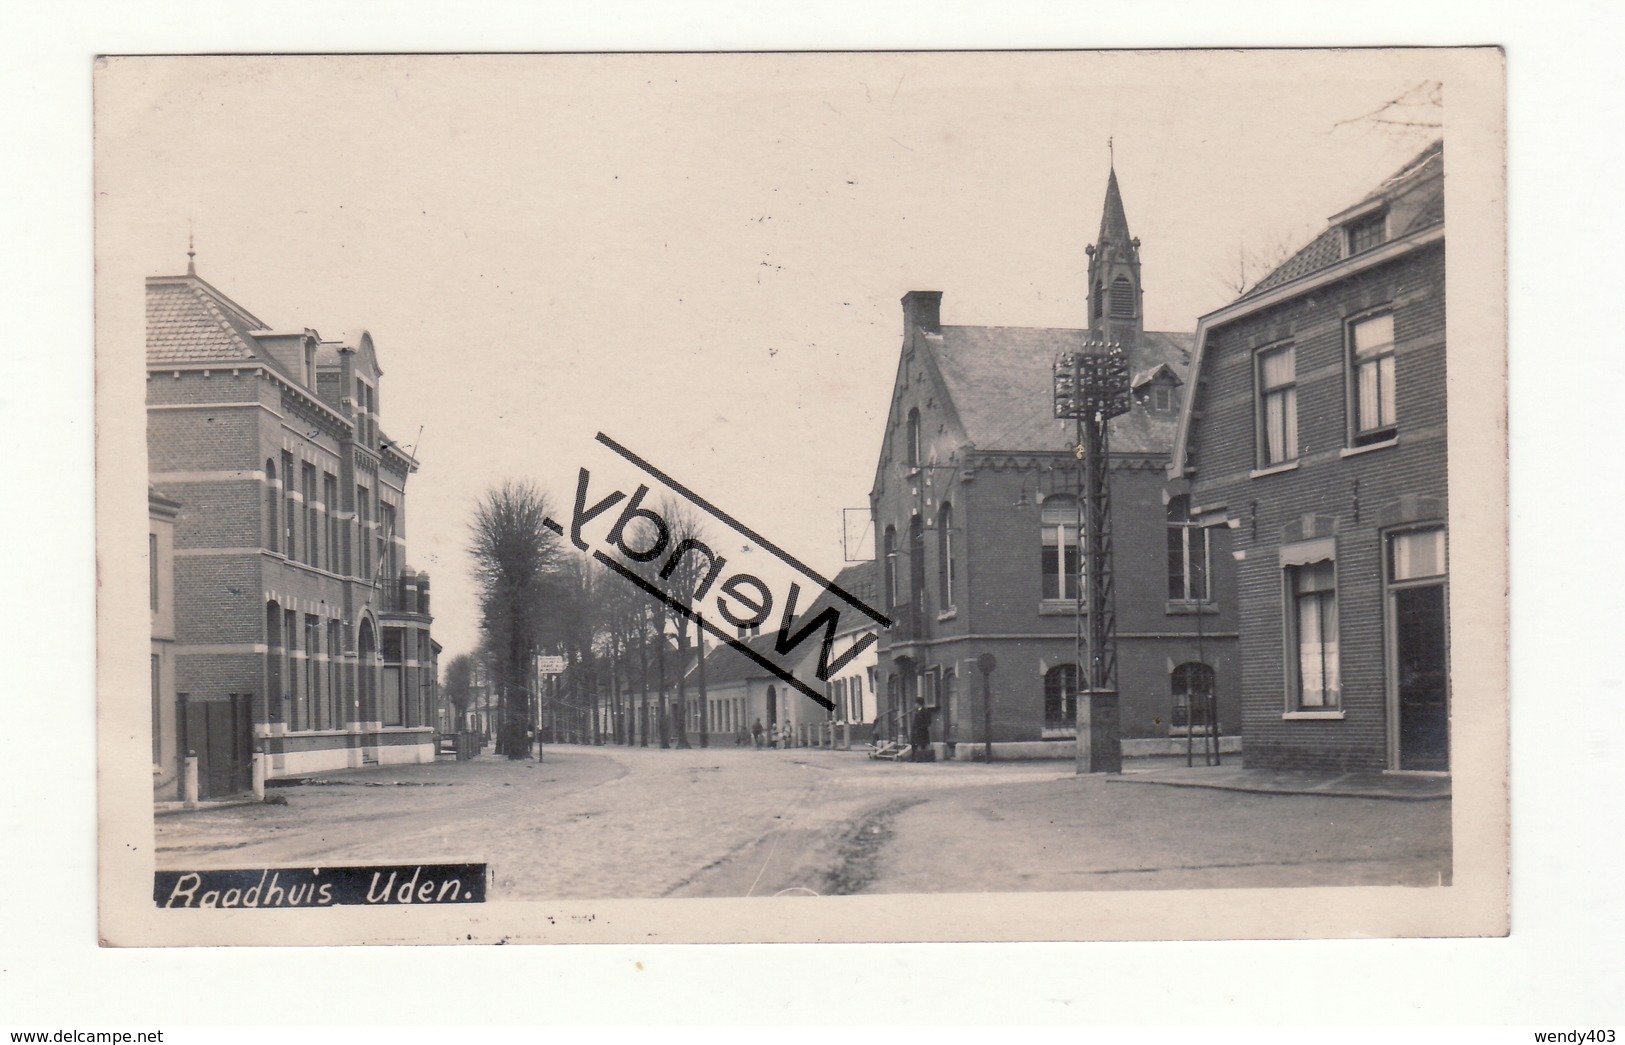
<point x="626" y="653"/>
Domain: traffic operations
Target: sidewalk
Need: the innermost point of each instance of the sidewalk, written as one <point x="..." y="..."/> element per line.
<point x="1172" y="772"/>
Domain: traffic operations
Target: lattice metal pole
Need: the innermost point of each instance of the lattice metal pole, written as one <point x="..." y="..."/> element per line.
<point x="1091" y="388"/>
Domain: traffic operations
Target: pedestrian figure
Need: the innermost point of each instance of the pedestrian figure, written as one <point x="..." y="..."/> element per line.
<point x="756" y="733"/>
<point x="919" y="732"/>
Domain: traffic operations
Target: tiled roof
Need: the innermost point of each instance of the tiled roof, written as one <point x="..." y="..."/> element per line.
<point x="726" y="664"/>
<point x="1002" y="385"/>
<point x="186" y="324"/>
<point x="1327" y="248"/>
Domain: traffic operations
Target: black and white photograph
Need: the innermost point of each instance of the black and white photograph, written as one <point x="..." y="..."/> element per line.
<point x="798" y="497"/>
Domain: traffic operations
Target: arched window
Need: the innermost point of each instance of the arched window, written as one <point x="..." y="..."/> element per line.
<point x="1192" y="686"/>
<point x="1189" y="554"/>
<point x="1122" y="298"/>
<point x="913" y="448"/>
<point x="945" y="556"/>
<point x="1058" y="539"/>
<point x="1061" y="696"/>
<point x="889" y="551"/>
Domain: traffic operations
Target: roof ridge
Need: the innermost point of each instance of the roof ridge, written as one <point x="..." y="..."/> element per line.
<point x="214" y="310"/>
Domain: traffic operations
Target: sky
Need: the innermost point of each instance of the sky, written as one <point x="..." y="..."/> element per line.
<point x="702" y="255"/>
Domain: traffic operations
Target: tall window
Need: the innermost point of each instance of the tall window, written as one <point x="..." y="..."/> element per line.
<point x="386" y="542"/>
<point x="1313" y="590"/>
<point x="913" y="448"/>
<point x="313" y="686"/>
<point x="275" y="661"/>
<point x="290" y="512"/>
<point x="1058" y="520"/>
<point x="1189" y="554"/>
<point x="1061" y="696"/>
<point x="273" y="508"/>
<point x="1122" y="298"/>
<point x="1278" y="406"/>
<point x="889" y="549"/>
<point x="945" y="556"/>
<point x="296" y="708"/>
<point x="1100" y="299"/>
<point x="1373" y="379"/>
<point x="916" y="565"/>
<point x="336" y="706"/>
<point x="1192" y="685"/>
<point x="152" y="570"/>
<point x="363" y="517"/>
<point x="157" y="704"/>
<point x="330" y="503"/>
<point x="307" y="484"/>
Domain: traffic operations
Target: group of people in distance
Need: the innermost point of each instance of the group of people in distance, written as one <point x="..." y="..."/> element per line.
<point x="919" y="734"/>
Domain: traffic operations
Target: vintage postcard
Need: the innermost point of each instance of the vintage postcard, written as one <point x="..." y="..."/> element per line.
<point x="1011" y="496"/>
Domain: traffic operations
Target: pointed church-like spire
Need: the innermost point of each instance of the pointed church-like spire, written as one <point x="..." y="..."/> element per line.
<point x="1113" y="221"/>
<point x="1116" y="312"/>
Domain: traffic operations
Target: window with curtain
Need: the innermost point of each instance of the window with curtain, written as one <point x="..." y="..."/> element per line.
<point x="1278" y="406"/>
<point x="1372" y="379"/>
<point x="1058" y="539"/>
<point x="1314" y="635"/>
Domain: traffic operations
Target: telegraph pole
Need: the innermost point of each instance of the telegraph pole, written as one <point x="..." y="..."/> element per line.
<point x="1091" y="388"/>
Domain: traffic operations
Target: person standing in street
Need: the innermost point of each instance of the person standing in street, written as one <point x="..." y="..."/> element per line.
<point x="919" y="731"/>
<point x="756" y="733"/>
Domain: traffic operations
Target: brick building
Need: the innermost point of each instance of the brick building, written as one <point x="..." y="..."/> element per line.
<point x="298" y="629"/>
<point x="1317" y="433"/>
<point x="166" y="752"/>
<point x="975" y="507"/>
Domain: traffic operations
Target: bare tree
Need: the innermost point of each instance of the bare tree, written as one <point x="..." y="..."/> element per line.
<point x="459" y="687"/>
<point x="514" y="554"/>
<point x="1252" y="262"/>
<point x="689" y="563"/>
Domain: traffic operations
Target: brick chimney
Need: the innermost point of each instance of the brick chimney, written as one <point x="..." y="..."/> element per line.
<point x="923" y="309"/>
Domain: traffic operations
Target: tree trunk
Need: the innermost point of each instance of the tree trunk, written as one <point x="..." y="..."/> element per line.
<point x="705" y="703"/>
<point x="660" y="674"/>
<point x="682" y="684"/>
<point x="643" y="671"/>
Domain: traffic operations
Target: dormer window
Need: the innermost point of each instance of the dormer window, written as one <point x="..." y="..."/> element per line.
<point x="1367" y="232"/>
<point x="1162" y="398"/>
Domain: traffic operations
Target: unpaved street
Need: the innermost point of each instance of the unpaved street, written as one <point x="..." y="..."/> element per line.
<point x="614" y="822"/>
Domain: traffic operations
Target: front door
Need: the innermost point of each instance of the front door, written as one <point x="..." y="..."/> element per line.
<point x="1421" y="678"/>
<point x="220" y="733"/>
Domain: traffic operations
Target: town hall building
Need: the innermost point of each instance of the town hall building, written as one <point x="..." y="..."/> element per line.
<point x="297" y="633"/>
